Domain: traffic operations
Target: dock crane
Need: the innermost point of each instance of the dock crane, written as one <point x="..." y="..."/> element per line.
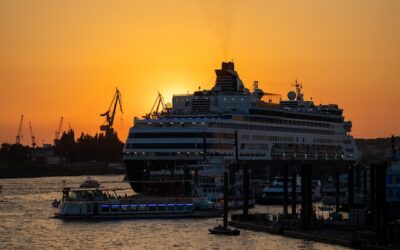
<point x="18" y="138"/>
<point x="110" y="113"/>
<point x="58" y="131"/>
<point x="32" y="135"/>
<point x="158" y="107"/>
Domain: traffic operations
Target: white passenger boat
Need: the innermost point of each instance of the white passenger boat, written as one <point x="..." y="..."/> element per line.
<point x="96" y="203"/>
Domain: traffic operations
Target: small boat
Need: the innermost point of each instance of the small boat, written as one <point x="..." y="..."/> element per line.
<point x="98" y="203"/>
<point x="224" y="230"/>
<point x="90" y="183"/>
<point x="273" y="193"/>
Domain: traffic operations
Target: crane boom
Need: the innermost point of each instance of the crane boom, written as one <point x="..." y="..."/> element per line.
<point x="158" y="107"/>
<point x="32" y="135"/>
<point x="110" y="113"/>
<point x="58" y="131"/>
<point x="18" y="138"/>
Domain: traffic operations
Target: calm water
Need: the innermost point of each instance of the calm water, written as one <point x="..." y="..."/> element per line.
<point x="26" y="223"/>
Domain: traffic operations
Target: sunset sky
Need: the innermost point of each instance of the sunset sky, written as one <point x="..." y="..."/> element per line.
<point x="65" y="58"/>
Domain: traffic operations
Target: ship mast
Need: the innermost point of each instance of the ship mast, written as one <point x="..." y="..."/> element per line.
<point x="299" y="94"/>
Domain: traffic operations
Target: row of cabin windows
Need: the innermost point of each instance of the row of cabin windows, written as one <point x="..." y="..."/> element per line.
<point x="159" y="207"/>
<point x="296" y="115"/>
<point x="271" y="128"/>
<point x="183" y="135"/>
<point x="175" y="154"/>
<point x="178" y="146"/>
<point x="323" y="140"/>
<point x="289" y="122"/>
<point x="270" y="138"/>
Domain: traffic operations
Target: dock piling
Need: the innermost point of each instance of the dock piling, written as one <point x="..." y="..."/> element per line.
<point x="306" y="196"/>
<point x="372" y="194"/>
<point x="380" y="201"/>
<point x="337" y="185"/>
<point x="294" y="194"/>
<point x="246" y="182"/>
<point x="350" y="176"/>
<point x="285" y="190"/>
<point x="226" y="194"/>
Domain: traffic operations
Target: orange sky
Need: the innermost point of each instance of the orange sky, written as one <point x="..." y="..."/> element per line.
<point x="65" y="58"/>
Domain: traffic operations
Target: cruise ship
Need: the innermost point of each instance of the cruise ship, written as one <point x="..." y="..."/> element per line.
<point x="231" y="123"/>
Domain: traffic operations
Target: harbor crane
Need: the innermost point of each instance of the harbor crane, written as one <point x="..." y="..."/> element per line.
<point x="58" y="131"/>
<point x="33" y="138"/>
<point x="18" y="138"/>
<point x="159" y="106"/>
<point x="110" y="113"/>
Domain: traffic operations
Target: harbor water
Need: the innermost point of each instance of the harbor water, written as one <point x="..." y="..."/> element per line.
<point x="26" y="223"/>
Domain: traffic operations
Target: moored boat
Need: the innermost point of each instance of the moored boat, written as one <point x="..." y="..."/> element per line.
<point x="223" y="230"/>
<point x="95" y="203"/>
<point x="233" y="123"/>
<point x="90" y="183"/>
<point x="273" y="193"/>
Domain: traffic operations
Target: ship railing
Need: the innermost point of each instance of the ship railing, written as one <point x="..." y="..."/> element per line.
<point x="131" y="199"/>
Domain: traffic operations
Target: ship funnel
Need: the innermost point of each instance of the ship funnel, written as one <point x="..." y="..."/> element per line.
<point x="228" y="66"/>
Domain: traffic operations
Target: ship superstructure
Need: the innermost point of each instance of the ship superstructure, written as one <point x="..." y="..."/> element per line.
<point x="230" y="123"/>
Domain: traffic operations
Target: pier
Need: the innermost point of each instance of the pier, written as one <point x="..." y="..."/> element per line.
<point x="370" y="225"/>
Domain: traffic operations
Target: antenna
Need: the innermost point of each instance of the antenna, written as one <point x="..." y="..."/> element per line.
<point x="299" y="94"/>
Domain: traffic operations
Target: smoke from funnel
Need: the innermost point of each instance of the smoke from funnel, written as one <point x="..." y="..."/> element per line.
<point x="220" y="18"/>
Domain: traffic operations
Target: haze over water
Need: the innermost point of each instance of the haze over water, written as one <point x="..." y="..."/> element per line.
<point x="26" y="223"/>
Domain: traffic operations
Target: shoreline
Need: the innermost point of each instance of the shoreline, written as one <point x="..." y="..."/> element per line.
<point x="33" y="170"/>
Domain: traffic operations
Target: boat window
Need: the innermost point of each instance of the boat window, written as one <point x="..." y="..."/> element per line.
<point x="180" y="207"/>
<point x="152" y="207"/>
<point x="115" y="208"/>
<point x="124" y="208"/>
<point x="89" y="208"/>
<point x="105" y="208"/>
<point x="161" y="207"/>
<point x="171" y="207"/>
<point x="142" y="207"/>
<point x="134" y="207"/>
